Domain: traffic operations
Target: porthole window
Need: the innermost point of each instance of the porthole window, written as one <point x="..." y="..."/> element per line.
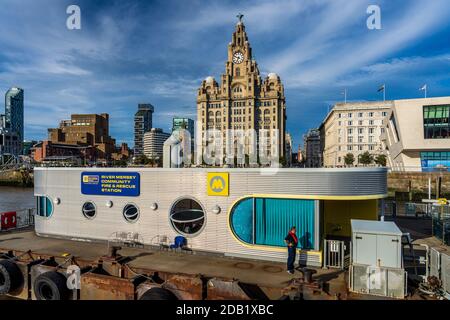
<point x="44" y="207"/>
<point x="187" y="217"/>
<point x="89" y="210"/>
<point x="131" y="213"/>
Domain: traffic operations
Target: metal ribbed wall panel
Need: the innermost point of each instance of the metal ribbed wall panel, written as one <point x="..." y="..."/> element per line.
<point x="165" y="186"/>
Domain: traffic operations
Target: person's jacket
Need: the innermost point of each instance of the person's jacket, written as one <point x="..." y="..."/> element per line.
<point x="291" y="238"/>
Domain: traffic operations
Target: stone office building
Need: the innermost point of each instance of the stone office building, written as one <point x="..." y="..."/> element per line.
<point x="355" y="128"/>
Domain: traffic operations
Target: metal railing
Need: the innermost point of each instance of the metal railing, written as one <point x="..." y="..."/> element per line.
<point x="335" y="254"/>
<point x="126" y="239"/>
<point x="406" y="209"/>
<point x="25" y="217"/>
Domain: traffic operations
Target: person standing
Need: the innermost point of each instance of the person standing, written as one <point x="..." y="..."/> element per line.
<point x="292" y="241"/>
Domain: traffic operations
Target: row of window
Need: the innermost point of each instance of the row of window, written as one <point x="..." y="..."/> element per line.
<point x="435" y="159"/>
<point x="360" y="139"/>
<point x="360" y="123"/>
<point x="260" y="221"/>
<point x="360" y="130"/>
<point x="361" y="114"/>
<point x="371" y="147"/>
<point x="186" y="215"/>
<point x="436" y="122"/>
<point x="243" y="104"/>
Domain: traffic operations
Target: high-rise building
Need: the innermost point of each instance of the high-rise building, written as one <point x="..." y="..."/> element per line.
<point x="13" y="118"/>
<point x="154" y="143"/>
<point x="355" y="128"/>
<point x="86" y="129"/>
<point x="242" y="100"/>
<point x="312" y="146"/>
<point x="142" y="124"/>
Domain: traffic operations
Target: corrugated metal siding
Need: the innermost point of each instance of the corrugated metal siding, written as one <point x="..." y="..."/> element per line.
<point x="165" y="186"/>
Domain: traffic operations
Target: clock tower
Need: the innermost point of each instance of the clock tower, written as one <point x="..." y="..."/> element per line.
<point x="242" y="100"/>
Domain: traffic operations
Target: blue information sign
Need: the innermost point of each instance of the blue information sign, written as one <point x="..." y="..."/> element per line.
<point x="123" y="184"/>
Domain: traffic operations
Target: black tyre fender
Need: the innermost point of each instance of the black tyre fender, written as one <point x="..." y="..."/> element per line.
<point x="158" y="294"/>
<point x="11" y="278"/>
<point x="51" y="285"/>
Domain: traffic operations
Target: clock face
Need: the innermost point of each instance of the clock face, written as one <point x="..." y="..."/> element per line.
<point x="238" y="57"/>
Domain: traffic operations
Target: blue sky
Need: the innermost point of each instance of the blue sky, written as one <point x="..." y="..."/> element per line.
<point x="129" y="52"/>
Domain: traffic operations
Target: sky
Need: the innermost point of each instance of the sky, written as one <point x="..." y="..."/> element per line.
<point x="158" y="52"/>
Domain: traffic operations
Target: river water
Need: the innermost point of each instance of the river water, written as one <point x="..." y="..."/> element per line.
<point x="13" y="199"/>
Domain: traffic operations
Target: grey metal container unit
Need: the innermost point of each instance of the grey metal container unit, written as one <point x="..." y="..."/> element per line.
<point x="376" y="243"/>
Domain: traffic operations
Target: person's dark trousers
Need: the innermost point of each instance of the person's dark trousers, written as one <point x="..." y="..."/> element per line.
<point x="291" y="258"/>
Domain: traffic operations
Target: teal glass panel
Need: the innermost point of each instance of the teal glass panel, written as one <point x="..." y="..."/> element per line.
<point x="242" y="220"/>
<point x="49" y="207"/>
<point x="274" y="218"/>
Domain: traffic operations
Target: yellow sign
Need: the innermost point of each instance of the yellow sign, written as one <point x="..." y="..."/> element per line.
<point x="217" y="184"/>
<point x="442" y="201"/>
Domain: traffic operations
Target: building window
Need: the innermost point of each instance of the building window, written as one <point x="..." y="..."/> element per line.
<point x="187" y="217"/>
<point x="371" y="130"/>
<point x="130" y="213"/>
<point x="360" y="148"/>
<point x="350" y="115"/>
<point x="360" y="131"/>
<point x="44" y="207"/>
<point x="350" y="139"/>
<point x="260" y="221"/>
<point x="432" y="160"/>
<point x="384" y="113"/>
<point x="370" y="139"/>
<point x="360" y="114"/>
<point x="436" y="121"/>
<point x="350" y="131"/>
<point x="349" y="148"/>
<point x="371" y="114"/>
<point x="350" y="123"/>
<point x="371" y="122"/>
<point x="360" y="139"/>
<point x="89" y="211"/>
<point x="238" y="72"/>
<point x="360" y="122"/>
<point x="371" y="147"/>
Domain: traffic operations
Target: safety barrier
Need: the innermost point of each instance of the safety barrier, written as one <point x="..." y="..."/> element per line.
<point x="439" y="268"/>
<point x="16" y="219"/>
<point x="378" y="281"/>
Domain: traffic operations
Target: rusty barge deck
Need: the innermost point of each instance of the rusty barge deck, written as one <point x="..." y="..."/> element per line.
<point x="190" y="275"/>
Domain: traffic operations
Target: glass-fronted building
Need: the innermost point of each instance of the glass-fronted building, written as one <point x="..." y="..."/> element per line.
<point x="417" y="135"/>
<point x="14" y="110"/>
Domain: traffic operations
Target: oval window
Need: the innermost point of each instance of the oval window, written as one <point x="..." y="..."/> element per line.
<point x="89" y="210"/>
<point x="187" y="217"/>
<point x="131" y="213"/>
